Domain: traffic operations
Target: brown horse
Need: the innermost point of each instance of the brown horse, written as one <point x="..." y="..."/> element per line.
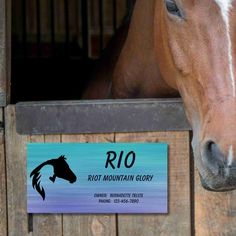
<point x="186" y="47"/>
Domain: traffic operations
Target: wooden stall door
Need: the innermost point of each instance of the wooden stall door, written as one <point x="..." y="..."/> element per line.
<point x="177" y="222"/>
<point x="3" y="187"/>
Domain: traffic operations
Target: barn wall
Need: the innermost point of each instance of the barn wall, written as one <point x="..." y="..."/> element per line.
<point x="40" y="15"/>
<point x="59" y="11"/>
<point x="5" y="51"/>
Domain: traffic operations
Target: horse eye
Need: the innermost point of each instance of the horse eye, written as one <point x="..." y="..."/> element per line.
<point x="172" y="8"/>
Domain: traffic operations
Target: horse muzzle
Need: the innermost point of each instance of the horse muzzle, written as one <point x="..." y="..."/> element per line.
<point x="73" y="180"/>
<point x="221" y="169"/>
<point x="218" y="186"/>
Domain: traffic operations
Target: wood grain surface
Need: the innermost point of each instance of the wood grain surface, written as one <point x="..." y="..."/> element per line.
<point x="16" y="176"/>
<point x="178" y="221"/>
<point x="215" y="213"/>
<point x="3" y="186"/>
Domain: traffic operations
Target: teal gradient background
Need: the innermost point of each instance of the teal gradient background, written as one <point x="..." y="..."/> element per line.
<point x="89" y="159"/>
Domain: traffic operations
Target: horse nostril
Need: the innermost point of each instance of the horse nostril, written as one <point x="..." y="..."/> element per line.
<point x="213" y="157"/>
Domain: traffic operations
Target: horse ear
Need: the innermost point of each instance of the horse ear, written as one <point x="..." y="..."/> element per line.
<point x="62" y="157"/>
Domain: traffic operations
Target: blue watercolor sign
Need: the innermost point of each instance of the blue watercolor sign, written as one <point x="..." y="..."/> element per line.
<point x="97" y="178"/>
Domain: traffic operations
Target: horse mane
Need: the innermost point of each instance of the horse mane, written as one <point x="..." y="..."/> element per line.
<point x="36" y="183"/>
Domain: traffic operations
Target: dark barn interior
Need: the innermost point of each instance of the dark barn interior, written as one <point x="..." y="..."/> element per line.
<point x="57" y="43"/>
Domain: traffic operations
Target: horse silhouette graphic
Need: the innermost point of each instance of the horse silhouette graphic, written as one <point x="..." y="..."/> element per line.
<point x="61" y="170"/>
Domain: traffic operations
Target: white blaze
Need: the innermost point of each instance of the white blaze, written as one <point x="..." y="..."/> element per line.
<point x="229" y="161"/>
<point x="230" y="156"/>
<point x="225" y="6"/>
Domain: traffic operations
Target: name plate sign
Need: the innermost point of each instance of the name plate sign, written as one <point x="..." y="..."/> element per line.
<point x="97" y="178"/>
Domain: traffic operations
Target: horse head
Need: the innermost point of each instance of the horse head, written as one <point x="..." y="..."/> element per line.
<point x="195" y="43"/>
<point x="63" y="171"/>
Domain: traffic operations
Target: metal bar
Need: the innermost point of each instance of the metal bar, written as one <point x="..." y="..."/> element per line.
<point x="52" y="16"/>
<point x="84" y="14"/>
<point x="104" y="116"/>
<point x="128" y="4"/>
<point x="24" y="28"/>
<point x="38" y="23"/>
<point x="114" y="15"/>
<point x="67" y="28"/>
<point x="77" y="21"/>
<point x="101" y="26"/>
<point x="30" y="223"/>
